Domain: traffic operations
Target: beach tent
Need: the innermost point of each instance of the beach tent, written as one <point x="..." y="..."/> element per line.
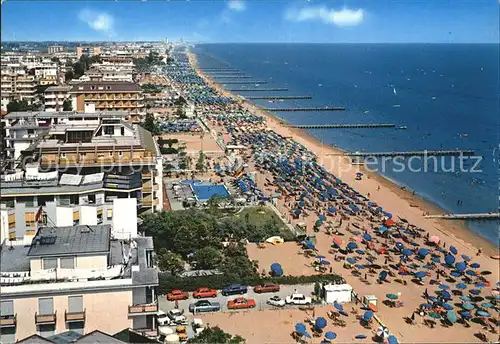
<point x="422" y="252"/>
<point x="453" y="250"/>
<point x="460" y="266"/>
<point x="368" y="316"/>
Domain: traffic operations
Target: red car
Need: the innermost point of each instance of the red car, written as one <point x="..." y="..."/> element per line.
<point x="177" y="294"/>
<point x="266" y="287"/>
<point x="204" y="292"/>
<point x="241" y="303"/>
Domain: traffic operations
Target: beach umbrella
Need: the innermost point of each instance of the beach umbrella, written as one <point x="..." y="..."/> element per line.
<point x="443" y="286"/>
<point x="487" y="305"/>
<point x="407" y="252"/>
<point x="319" y="256"/>
<point x="453" y="250"/>
<point x="425" y="305"/>
<point x="427" y="266"/>
<point x="434" y="315"/>
<point x="322" y="217"/>
<point x="475" y="265"/>
<point x="436" y="260"/>
<point x="420" y="274"/>
<point x="470" y="273"/>
<point x="307" y="335"/>
<point x="300" y="328"/>
<point x="351" y="260"/>
<point x="360" y="336"/>
<point x="368" y="316"/>
<point x="480" y="285"/>
<point x="324" y="262"/>
<point x="359" y="266"/>
<point x="422" y="252"/>
<point x="320" y="323"/>
<point x="392" y="296"/>
<point x="337" y="241"/>
<point x="309" y="245"/>
<point x="434" y="239"/>
<point x="352" y="245"/>
<point x="367" y="237"/>
<point x="465" y="257"/>
<point x="399" y="245"/>
<point x="449" y="259"/>
<point x="485" y="273"/>
<point x="447" y="306"/>
<point x="382" y="276"/>
<point x="460" y="266"/>
<point x="433" y="299"/>
<point x="383" y="229"/>
<point x="475" y="291"/>
<point x="461" y="286"/>
<point x="360" y="252"/>
<point x="330" y="335"/>
<point x="338" y="306"/>
<point x="455" y="274"/>
<point x="383" y="332"/>
<point x="482" y="314"/>
<point x="465" y="298"/>
<point x="451" y="316"/>
<point x="392" y="340"/>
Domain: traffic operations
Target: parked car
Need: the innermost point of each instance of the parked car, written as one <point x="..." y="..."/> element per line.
<point x="204" y="306"/>
<point x="298" y="299"/>
<point x="266" y="287"/>
<point x="204" y="292"/>
<point x="276" y="301"/>
<point x="176" y="316"/>
<point x="234" y="289"/>
<point x="241" y="303"/>
<point x="177" y="294"/>
<point x="162" y="319"/>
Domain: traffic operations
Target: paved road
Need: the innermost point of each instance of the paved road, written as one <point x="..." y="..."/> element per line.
<point x="260" y="299"/>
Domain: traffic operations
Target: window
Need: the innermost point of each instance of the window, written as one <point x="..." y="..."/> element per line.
<point x="120" y="153"/>
<point x="91" y="199"/>
<point x="29" y="219"/>
<point x="49" y="263"/>
<point x="31" y="131"/>
<point x="109" y="130"/>
<point x="75" y="304"/>
<point x="46" y="305"/>
<point x="6" y="308"/>
<point x="109" y="214"/>
<point x="63" y="155"/>
<point x="77" y="326"/>
<point x="67" y="263"/>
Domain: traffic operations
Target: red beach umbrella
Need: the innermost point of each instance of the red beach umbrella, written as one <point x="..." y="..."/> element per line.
<point x="389" y="222"/>
<point x="337" y="241"/>
<point x="435" y="239"/>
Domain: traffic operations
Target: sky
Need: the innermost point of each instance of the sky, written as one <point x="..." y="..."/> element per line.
<point x="315" y="21"/>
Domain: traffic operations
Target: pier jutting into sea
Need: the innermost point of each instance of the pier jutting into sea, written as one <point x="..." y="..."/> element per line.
<point x="341" y="126"/>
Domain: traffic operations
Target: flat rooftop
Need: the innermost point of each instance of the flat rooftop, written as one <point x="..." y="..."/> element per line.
<point x="60" y="241"/>
<point x="66" y="114"/>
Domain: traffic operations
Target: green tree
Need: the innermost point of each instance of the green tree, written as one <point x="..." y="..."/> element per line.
<point x="200" y="164"/>
<point x="207" y="258"/>
<point x="20" y="105"/>
<point x="56" y="60"/>
<point x="67" y="106"/>
<point x="69" y="75"/>
<point x="169" y="261"/>
<point x="150" y="124"/>
<point x="78" y="69"/>
<point x="215" y="335"/>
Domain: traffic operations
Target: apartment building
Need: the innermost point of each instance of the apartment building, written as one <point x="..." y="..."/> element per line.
<point x="54" y="49"/>
<point x="16" y="84"/>
<point x="89" y="51"/>
<point x="90" y="96"/>
<point x="84" y="144"/>
<point x="77" y="278"/>
<point x="54" y="97"/>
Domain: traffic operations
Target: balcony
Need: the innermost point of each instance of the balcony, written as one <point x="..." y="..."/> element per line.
<point x="143" y="309"/>
<point x="8" y="321"/>
<point x="93" y="162"/>
<point x="74" y="316"/>
<point x="148" y="202"/>
<point x="45" y="319"/>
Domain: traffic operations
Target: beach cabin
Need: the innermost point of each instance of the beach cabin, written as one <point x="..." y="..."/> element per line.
<point x="340" y="293"/>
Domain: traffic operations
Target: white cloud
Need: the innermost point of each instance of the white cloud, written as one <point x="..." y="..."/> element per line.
<point x="236" y="5"/>
<point x="98" y="21"/>
<point x="343" y="18"/>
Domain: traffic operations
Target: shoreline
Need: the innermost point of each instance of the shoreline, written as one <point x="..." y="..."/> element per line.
<point x="411" y="206"/>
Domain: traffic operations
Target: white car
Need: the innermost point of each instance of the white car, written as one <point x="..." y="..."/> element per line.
<point x="276" y="301"/>
<point x="298" y="299"/>
<point x="162" y="318"/>
<point x="176" y="316"/>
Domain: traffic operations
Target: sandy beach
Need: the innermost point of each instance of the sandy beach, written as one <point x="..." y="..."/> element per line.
<point x="402" y="204"/>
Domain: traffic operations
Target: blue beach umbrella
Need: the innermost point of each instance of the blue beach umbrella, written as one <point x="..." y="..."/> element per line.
<point x="453" y="250"/>
<point x="420" y="274"/>
<point x="460" y="266"/>
<point x="475" y="265"/>
<point x="392" y="340"/>
<point x="307" y="335"/>
<point x="351" y="260"/>
<point x="425" y="305"/>
<point x="461" y="286"/>
<point x="451" y="316"/>
<point x="382" y="275"/>
<point x="449" y="259"/>
<point x="322" y="217"/>
<point x="427" y="266"/>
<point x="338" y="306"/>
<point x="368" y="316"/>
<point x="300" y="328"/>
<point x="399" y="245"/>
<point x="422" y="252"/>
<point x="367" y="237"/>
<point x="487" y="305"/>
<point x="465" y="298"/>
<point x="319" y="256"/>
<point x="330" y="335"/>
<point x="324" y="262"/>
<point x="482" y="314"/>
<point x="360" y="252"/>
<point x="455" y="274"/>
<point x="407" y="252"/>
<point x="470" y="273"/>
<point x="443" y="286"/>
<point x="320" y="323"/>
<point x="480" y="285"/>
<point x="352" y="245"/>
<point x="383" y="229"/>
<point x="465" y="257"/>
<point x="465" y="315"/>
<point x="447" y="306"/>
<point x="359" y="266"/>
<point x="475" y="291"/>
<point x="436" y="260"/>
<point x="360" y="336"/>
<point x="433" y="299"/>
<point x="445" y="295"/>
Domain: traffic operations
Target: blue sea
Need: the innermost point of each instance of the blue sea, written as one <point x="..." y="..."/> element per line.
<point x="447" y="95"/>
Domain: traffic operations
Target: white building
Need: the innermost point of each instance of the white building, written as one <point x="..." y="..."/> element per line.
<point x="54" y="97"/>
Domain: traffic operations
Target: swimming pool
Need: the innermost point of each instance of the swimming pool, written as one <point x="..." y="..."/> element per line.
<point x="204" y="192"/>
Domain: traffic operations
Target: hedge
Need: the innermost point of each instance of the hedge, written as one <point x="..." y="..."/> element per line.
<point x="168" y="282"/>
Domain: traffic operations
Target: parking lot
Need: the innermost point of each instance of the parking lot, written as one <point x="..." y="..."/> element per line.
<point x="260" y="299"/>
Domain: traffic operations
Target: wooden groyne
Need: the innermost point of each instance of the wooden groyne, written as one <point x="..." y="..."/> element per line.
<point x="473" y="216"/>
<point x="242" y="82"/>
<point x="340" y="126"/>
<point x="259" y="90"/>
<point x="325" y="108"/>
<point x="278" y="97"/>
<point x="466" y="152"/>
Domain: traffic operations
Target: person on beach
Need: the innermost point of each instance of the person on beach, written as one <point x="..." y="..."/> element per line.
<point x="479" y="251"/>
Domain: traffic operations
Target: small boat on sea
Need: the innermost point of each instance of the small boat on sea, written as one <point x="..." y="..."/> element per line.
<point x="396" y="105"/>
<point x="403" y="127"/>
